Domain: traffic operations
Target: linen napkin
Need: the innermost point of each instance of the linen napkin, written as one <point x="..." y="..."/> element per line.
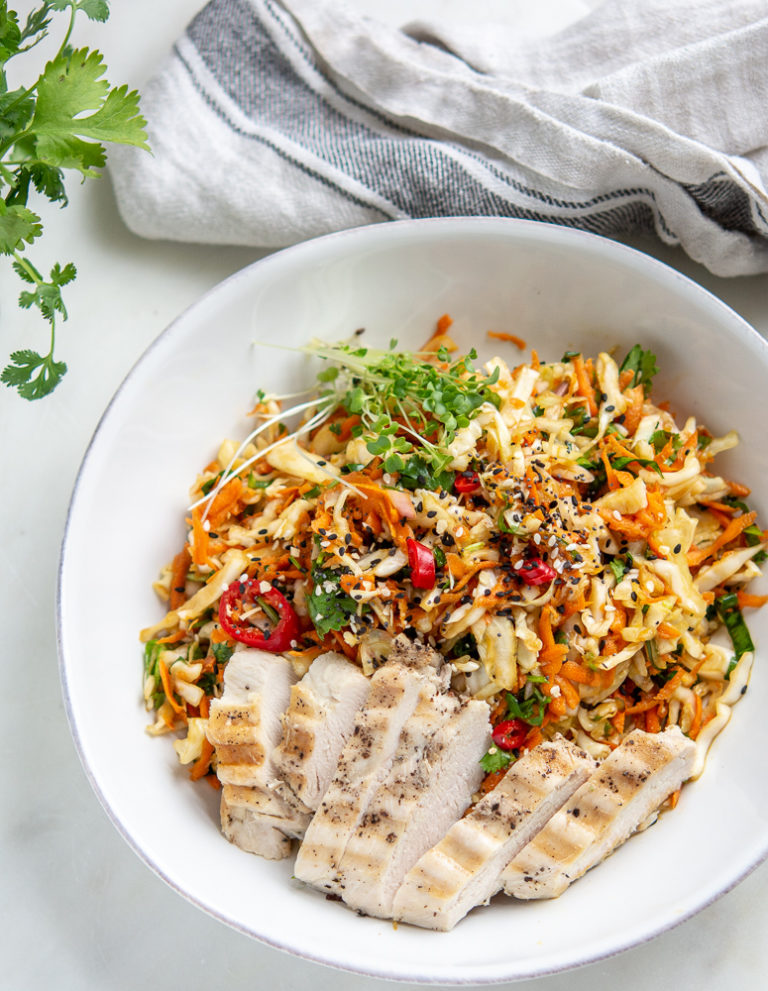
<point x="277" y="120"/>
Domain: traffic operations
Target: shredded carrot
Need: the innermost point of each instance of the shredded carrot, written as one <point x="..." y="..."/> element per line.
<point x="491" y="780"/>
<point x="721" y="507"/>
<point x="225" y="503"/>
<point x="574" y="671"/>
<point x="695" y="729"/>
<point x="674" y="798"/>
<point x="668" y="632"/>
<point x="633" y="414"/>
<point x="534" y="738"/>
<point x="179" y="569"/>
<point x="443" y="323"/>
<point x="610" y="471"/>
<point x="585" y="386"/>
<point x="737" y="489"/>
<point x="746" y="600"/>
<point x="200" y="539"/>
<point x="571" y="694"/>
<point x="498" y="335"/>
<point x="165" y="678"/>
<point x="662" y="695"/>
<point x="203" y="763"/>
<point x="652" y="723"/>
<point x="698" y="555"/>
<point x="173" y="637"/>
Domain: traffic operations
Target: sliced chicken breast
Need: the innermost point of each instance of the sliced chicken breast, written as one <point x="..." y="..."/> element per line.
<point x="396" y="690"/>
<point x="244" y="728"/>
<point x="318" y="723"/>
<point x="259" y="821"/>
<point x="433" y="777"/>
<point x="463" y="870"/>
<point x="244" y="724"/>
<point x="629" y="785"/>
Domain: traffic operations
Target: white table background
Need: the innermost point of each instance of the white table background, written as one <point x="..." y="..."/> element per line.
<point x="79" y="910"/>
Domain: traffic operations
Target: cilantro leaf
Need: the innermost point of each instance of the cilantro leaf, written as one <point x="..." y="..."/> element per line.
<point x="222" y="652"/>
<point x="620" y="566"/>
<point x="329" y="608"/>
<point x="10" y="33"/>
<point x="18" y="225"/>
<point x="20" y="374"/>
<point x="68" y="87"/>
<point x="60" y="121"/>
<point x="96" y="10"/>
<point x="730" y="614"/>
<point x="528" y="707"/>
<point x="623" y="462"/>
<point x="495" y="761"/>
<point x="643" y="364"/>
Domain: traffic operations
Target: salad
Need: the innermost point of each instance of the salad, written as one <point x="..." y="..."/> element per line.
<point x="549" y="527"/>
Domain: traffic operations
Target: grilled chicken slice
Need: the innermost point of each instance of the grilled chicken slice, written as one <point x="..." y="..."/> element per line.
<point x="464" y="868"/>
<point x="318" y="723"/>
<point x="244" y="728"/>
<point x="629" y="785"/>
<point x="244" y="724"/>
<point x="434" y="775"/>
<point x="396" y="690"/>
<point x="259" y="821"/>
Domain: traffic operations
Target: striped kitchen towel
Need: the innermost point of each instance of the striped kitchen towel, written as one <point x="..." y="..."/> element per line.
<point x="278" y="120"/>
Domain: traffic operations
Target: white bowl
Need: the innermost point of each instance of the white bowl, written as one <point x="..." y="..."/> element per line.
<point x="558" y="289"/>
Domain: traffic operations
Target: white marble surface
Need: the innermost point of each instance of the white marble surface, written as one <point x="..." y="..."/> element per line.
<point x="79" y="910"/>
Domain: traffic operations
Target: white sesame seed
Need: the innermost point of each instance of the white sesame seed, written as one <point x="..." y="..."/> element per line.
<point x="616" y="514"/>
<point x="552" y="541"/>
<point x="555" y="692"/>
<point x="264" y="587"/>
<point x="517" y="565"/>
<point x="649" y="586"/>
<point x="571" y="547"/>
<point x="536" y="538"/>
<point x="206" y="525"/>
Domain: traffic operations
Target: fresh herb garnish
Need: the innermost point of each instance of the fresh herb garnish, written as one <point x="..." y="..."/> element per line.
<point x="222" y="652"/>
<point x="643" y="364"/>
<point x="152" y="649"/>
<point x="406" y="405"/>
<point x="620" y="566"/>
<point x="625" y="461"/>
<point x="495" y="760"/>
<point x="329" y="607"/>
<point x="730" y="613"/>
<point x="58" y="122"/>
<point x="660" y="438"/>
<point x="530" y="709"/>
<point x="418" y="473"/>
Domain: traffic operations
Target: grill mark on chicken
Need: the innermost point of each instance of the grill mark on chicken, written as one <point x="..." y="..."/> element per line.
<point x="627" y="787"/>
<point x="464" y="868"/>
<point x="316" y="726"/>
<point x="244" y="728"/>
<point x="414" y="808"/>
<point x="365" y="761"/>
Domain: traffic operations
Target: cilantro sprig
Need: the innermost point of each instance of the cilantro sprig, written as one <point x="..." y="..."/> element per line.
<point x="60" y="122"/>
<point x="409" y="407"/>
<point x="642" y="364"/>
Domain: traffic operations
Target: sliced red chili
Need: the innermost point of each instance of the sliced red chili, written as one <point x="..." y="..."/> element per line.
<point x="537" y="572"/>
<point x="510" y="734"/>
<point x="239" y="598"/>
<point x="467" y="481"/>
<point x="421" y="560"/>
